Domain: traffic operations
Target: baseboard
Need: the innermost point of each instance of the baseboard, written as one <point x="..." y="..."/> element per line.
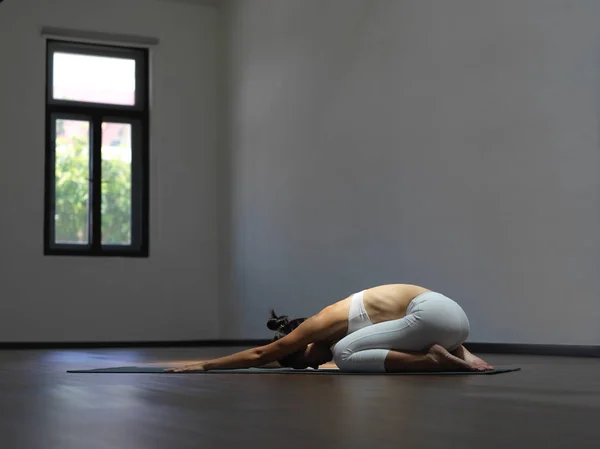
<point x="530" y="349"/>
<point x="133" y="344"/>
<point x="483" y="348"/>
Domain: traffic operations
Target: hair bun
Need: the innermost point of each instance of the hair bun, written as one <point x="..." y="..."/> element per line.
<point x="272" y="324"/>
<point x="275" y="323"/>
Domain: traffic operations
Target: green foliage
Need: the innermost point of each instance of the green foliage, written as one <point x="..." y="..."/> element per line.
<point x="116" y="202"/>
<point x="71" y="191"/>
<point x="72" y="195"/>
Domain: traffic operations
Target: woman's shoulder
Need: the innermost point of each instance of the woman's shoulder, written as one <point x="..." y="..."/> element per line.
<point x="337" y="311"/>
<point x="333" y="319"/>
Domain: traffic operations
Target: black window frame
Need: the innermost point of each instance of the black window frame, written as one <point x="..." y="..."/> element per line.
<point x="137" y="115"/>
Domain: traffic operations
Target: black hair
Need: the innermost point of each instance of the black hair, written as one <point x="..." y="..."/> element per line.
<point x="283" y="326"/>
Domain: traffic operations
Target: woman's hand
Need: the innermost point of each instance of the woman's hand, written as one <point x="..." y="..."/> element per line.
<point x="197" y="367"/>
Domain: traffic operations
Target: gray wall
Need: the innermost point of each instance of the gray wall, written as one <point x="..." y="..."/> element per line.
<point x="452" y="144"/>
<point x="171" y="295"/>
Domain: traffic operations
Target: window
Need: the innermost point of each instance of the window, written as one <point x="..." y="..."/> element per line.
<point x="96" y="201"/>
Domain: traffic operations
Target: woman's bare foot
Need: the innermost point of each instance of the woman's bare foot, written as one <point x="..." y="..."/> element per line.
<point x="446" y="361"/>
<point x="474" y="362"/>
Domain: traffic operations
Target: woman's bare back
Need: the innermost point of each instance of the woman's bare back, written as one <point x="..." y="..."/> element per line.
<point x="389" y="302"/>
<point x="382" y="303"/>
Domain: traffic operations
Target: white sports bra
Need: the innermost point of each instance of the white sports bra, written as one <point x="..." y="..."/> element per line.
<point x="357" y="316"/>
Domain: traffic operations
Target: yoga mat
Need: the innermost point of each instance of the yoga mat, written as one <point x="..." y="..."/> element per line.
<point x="160" y="370"/>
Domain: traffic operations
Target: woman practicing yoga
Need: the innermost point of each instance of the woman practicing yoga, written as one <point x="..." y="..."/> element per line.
<point x="390" y="328"/>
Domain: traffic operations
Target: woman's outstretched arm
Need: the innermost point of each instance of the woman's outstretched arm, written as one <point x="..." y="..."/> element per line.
<point x="309" y="331"/>
<point x="245" y="359"/>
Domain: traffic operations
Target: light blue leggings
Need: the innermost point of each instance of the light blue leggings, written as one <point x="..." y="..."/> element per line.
<point x="431" y="318"/>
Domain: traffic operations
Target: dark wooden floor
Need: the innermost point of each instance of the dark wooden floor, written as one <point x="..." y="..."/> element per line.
<point x="551" y="403"/>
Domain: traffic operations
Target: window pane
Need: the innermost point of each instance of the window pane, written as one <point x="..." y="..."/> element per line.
<point x="116" y="184"/>
<point x="95" y="79"/>
<point x="72" y="189"/>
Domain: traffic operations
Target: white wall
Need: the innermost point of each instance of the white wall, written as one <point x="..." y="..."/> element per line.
<point x="452" y="144"/>
<point x="171" y="295"/>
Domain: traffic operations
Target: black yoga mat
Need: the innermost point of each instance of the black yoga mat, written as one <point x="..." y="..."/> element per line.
<point x="161" y="370"/>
